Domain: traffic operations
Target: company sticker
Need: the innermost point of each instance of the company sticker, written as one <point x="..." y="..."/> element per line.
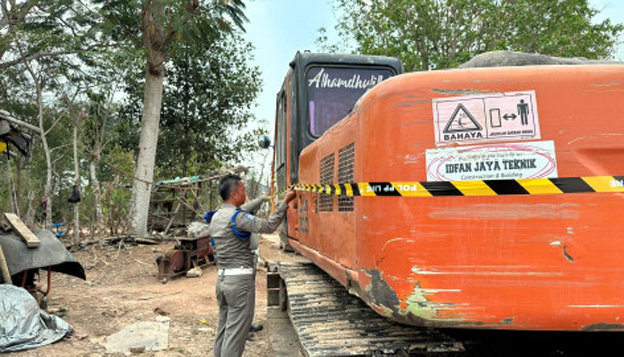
<point x="492" y="162"/>
<point x="486" y="118"/>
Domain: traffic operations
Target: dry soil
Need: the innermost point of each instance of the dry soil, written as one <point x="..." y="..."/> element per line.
<point x="122" y="288"/>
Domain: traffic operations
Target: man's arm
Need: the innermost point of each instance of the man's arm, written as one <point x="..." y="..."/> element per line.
<point x="250" y="223"/>
<point x="254" y="205"/>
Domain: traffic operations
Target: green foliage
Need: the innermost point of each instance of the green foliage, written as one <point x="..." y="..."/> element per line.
<point x="90" y="58"/>
<point x="430" y="34"/>
<point x="209" y="93"/>
<point x="5" y="198"/>
<point x="117" y="180"/>
<point x="164" y="26"/>
<point x="45" y="30"/>
<point x="118" y="166"/>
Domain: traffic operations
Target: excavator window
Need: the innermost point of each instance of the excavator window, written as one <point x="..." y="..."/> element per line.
<point x="333" y="91"/>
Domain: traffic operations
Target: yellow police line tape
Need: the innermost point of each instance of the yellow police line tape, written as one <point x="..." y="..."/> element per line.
<point x="538" y="186"/>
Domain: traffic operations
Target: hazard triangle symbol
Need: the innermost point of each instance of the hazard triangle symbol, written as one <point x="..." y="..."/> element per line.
<point x="461" y="120"/>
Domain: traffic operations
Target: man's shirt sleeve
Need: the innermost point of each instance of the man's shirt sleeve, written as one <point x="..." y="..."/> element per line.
<point x="249" y="223"/>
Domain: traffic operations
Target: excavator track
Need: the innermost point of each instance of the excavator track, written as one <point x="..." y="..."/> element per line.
<point x="331" y="322"/>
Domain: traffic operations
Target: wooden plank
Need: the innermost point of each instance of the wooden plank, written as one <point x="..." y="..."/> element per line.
<point x="146" y="240"/>
<point x="6" y="276"/>
<point x="29" y="238"/>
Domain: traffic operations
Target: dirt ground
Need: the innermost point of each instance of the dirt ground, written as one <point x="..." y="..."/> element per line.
<point x="123" y="288"/>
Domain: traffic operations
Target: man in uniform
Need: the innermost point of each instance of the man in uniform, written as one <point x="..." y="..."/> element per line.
<point x="230" y="228"/>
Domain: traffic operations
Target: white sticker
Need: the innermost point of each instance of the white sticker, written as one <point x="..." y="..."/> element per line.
<point x="492" y="162"/>
<point x="486" y="118"/>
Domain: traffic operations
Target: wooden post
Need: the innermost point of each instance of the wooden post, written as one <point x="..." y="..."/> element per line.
<point x="175" y="212"/>
<point x="210" y="205"/>
<point x="4" y="269"/>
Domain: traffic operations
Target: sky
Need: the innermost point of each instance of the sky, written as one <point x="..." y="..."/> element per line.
<point x="280" y="28"/>
<point x="614" y="10"/>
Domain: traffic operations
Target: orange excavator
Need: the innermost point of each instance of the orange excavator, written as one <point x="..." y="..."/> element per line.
<point x="486" y="198"/>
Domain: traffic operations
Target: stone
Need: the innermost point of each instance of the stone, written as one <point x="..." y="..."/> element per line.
<point x="161" y="318"/>
<point x="137" y="349"/>
<point x="194" y="273"/>
<point x="154" y="336"/>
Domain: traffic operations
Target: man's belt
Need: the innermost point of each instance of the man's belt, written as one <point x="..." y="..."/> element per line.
<point x="235" y="271"/>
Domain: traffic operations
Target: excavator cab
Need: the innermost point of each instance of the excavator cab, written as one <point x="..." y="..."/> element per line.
<point x="319" y="90"/>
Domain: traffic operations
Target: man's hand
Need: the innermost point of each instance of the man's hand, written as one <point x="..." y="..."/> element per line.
<point x="290" y="195"/>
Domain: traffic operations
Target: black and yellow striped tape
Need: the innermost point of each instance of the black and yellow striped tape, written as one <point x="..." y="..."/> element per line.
<point x="540" y="186"/>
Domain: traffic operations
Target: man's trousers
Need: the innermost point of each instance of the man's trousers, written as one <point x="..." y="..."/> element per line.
<point x="236" y="295"/>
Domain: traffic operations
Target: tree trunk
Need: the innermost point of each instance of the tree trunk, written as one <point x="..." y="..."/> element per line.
<point x="17" y="185"/>
<point x="76" y="223"/>
<point x="77" y="184"/>
<point x="144" y="174"/>
<point x="95" y="186"/>
<point x="155" y="40"/>
<point x="9" y="173"/>
<point x="95" y="161"/>
<point x="29" y="217"/>
<point x="47" y="190"/>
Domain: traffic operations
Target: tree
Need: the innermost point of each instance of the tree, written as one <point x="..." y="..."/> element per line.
<point x="44" y="38"/>
<point x="51" y="50"/>
<point x="164" y="25"/>
<point x="96" y="128"/>
<point x="51" y="28"/>
<point x="210" y="95"/>
<point x="433" y="34"/>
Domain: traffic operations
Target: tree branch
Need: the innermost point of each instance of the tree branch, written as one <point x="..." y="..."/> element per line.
<point x="19" y="122"/>
<point x="125" y="29"/>
<point x="35" y="56"/>
<point x="191" y="11"/>
<point x="53" y="124"/>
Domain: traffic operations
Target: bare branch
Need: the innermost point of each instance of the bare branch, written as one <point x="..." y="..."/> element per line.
<point x="38" y="55"/>
<point x="53" y="124"/>
<point x="19" y="122"/>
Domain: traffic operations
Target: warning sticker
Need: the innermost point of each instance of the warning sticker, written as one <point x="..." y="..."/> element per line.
<point x="486" y="118"/>
<point x="502" y="161"/>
